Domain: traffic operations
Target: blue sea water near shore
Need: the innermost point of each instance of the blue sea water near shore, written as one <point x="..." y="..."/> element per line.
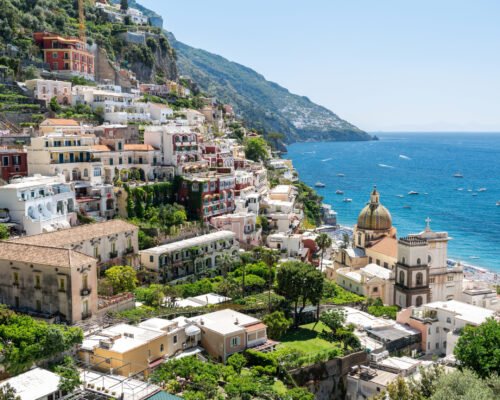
<point x="425" y="163"/>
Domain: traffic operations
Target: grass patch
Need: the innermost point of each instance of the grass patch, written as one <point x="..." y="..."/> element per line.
<point x="306" y="338"/>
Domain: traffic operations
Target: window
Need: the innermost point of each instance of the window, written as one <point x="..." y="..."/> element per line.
<point x="54" y="55"/>
<point x="429" y="330"/>
<point x="85" y="281"/>
<point x="61" y="284"/>
<point x="151" y="258"/>
<point x="378" y="262"/>
<point x="418" y="261"/>
<point x="38" y="305"/>
<point x="175" y="339"/>
<point x="429" y="259"/>
<point x="419" y="301"/>
<point x="16" y="301"/>
<point x="420" y="279"/>
<point x="401" y="277"/>
<point x="444" y="344"/>
<point x="432" y="280"/>
<point x="403" y="260"/>
<point x="5" y="161"/>
<point x="235" y="341"/>
<point x="110" y="161"/>
<point x="16" y="160"/>
<point x="97" y="172"/>
<point x="375" y="290"/>
<point x="450" y="278"/>
<point x="437" y="329"/>
<point x="161" y="347"/>
<point x="16" y="278"/>
<point x="119" y="145"/>
<point x="448" y="320"/>
<point x="370" y="260"/>
<point x="96" y="251"/>
<point x="437" y="345"/>
<point x="429" y="346"/>
<point x="386" y="266"/>
<point x="37" y="282"/>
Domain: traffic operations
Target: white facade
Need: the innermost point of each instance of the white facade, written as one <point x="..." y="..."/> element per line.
<point x="35" y="384"/>
<point x="160" y="113"/>
<point x="291" y="245"/>
<point x="178" y="260"/>
<point x="45" y="89"/>
<point x="243" y="224"/>
<point x="40" y="203"/>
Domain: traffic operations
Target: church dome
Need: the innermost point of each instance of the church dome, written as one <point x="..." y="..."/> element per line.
<point x="374" y="217"/>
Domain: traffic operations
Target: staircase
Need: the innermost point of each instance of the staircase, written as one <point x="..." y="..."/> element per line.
<point x="5" y="124"/>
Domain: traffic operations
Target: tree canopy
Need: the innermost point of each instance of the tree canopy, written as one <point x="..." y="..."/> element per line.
<point x="300" y="283"/>
<point x="256" y="149"/>
<point x="122" y="278"/>
<point x="478" y="348"/>
<point x="277" y="324"/>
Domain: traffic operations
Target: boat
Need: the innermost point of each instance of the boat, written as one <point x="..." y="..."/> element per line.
<point x="346" y="200"/>
<point x="474" y="257"/>
<point x="469" y="190"/>
<point x="460" y="189"/>
<point x="458" y="175"/>
<point x="474" y="194"/>
<point x="319" y="184"/>
<point x="482" y="190"/>
<point x="407" y="207"/>
<point x="341" y="175"/>
<point x="412" y="193"/>
<point x="400" y="196"/>
<point x="339" y="192"/>
<point x="498" y="203"/>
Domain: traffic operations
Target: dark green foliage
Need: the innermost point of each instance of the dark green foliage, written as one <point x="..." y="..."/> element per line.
<point x="256" y="149"/>
<point x="336" y="294"/>
<point x="478" y="348"/>
<point x="54" y="105"/>
<point x="383" y="311"/>
<point x="4" y="232"/>
<point x="26" y="340"/>
<point x="300" y="283"/>
<point x="311" y="201"/>
<point x="7" y="392"/>
<point x="237" y="361"/>
<point x="70" y="376"/>
<point x="277" y="324"/>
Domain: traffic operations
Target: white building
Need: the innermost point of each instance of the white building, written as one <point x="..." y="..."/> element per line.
<point x="35" y="384"/>
<point x="479" y="293"/>
<point x="40" y="203"/>
<point x="289" y="244"/>
<point x="160" y="113"/>
<point x="45" y="89"/>
<point x="243" y="224"/>
<point x="440" y="323"/>
<point x="196" y="256"/>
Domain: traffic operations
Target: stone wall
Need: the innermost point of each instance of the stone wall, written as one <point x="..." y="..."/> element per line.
<point x="327" y="380"/>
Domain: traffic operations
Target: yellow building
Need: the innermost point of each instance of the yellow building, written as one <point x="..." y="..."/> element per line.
<point x="129" y="350"/>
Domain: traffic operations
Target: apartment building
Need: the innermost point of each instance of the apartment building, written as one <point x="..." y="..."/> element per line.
<point x="65" y="55"/>
<point x="48" y="282"/>
<point x="39" y="204"/>
<point x="198" y="256"/>
<point x="46" y="90"/>
<point x="440" y="323"/>
<point x="13" y="163"/>
<point x="226" y="332"/>
<point x="243" y="224"/>
<point x="110" y="242"/>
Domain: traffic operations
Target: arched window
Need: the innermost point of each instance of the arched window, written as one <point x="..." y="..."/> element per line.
<point x="429" y="259"/>
<point x="401" y="277"/>
<point x="420" y="279"/>
<point x="418" y="261"/>
<point x="359" y="239"/>
<point x="419" y="301"/>
<point x="403" y="261"/>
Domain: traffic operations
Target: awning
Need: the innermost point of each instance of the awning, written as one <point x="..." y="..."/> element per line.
<point x="192" y="330"/>
<point x="155" y="363"/>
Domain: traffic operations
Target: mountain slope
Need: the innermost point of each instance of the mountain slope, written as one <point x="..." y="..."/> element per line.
<point x="261" y="103"/>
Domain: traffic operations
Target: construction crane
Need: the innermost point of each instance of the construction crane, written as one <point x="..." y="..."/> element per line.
<point x="81" y="21"/>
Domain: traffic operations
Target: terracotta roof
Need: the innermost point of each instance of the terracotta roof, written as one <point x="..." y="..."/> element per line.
<point x="67" y="237"/>
<point x="59" y="122"/>
<point x="44" y="255"/>
<point x="387" y="246"/>
<point x="100" y="147"/>
<point x="255" y="327"/>
<point x="139" y="147"/>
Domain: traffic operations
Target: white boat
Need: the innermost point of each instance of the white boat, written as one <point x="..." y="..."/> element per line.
<point x="400" y="196"/>
<point x="458" y="175"/>
<point x="412" y="193"/>
<point x="407" y="207"/>
<point x="341" y="175"/>
<point x="460" y="189"/>
<point x="498" y="203"/>
<point x="346" y="200"/>
<point x="339" y="192"/>
<point x="482" y="190"/>
<point x="319" y="185"/>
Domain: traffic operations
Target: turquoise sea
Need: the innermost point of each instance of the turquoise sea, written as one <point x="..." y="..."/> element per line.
<point x="423" y="162"/>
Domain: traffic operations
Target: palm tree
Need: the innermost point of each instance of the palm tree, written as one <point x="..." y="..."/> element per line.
<point x="323" y="241"/>
<point x="270" y="258"/>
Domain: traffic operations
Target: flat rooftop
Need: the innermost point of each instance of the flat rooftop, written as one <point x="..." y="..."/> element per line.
<point x="34" y="384"/>
<point x="463" y="311"/>
<point x="196" y="241"/>
<point x="225" y="321"/>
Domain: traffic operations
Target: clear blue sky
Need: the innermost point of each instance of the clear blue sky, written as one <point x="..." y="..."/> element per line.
<point x="383" y="65"/>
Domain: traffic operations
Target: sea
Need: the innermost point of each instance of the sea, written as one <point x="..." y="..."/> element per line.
<point x="426" y="163"/>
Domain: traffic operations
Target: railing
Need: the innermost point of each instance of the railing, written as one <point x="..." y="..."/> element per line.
<point x="113" y="254"/>
<point x="129" y="250"/>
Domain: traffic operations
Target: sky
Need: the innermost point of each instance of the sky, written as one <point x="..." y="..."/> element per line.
<point x="421" y="65"/>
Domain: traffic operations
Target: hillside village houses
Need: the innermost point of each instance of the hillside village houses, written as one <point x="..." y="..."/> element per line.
<point x="76" y="171"/>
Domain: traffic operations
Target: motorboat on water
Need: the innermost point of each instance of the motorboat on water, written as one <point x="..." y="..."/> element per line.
<point x="474" y="194"/>
<point x="407" y="207"/>
<point x="412" y="193"/>
<point x="319" y="184"/>
<point x="341" y="175"/>
<point x="498" y="203"/>
<point x="346" y="200"/>
<point x="400" y="196"/>
<point x="339" y="192"/>
<point x="460" y="189"/>
<point x="482" y="190"/>
<point x="458" y="175"/>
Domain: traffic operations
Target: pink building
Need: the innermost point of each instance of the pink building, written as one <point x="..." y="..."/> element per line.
<point x="243" y="224"/>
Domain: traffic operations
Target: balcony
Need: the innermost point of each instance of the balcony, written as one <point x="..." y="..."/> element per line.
<point x="85" y="292"/>
<point x="38" y="287"/>
<point x="129" y="250"/>
<point x="113" y="254"/>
